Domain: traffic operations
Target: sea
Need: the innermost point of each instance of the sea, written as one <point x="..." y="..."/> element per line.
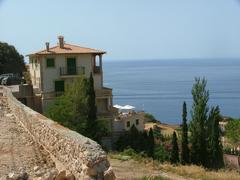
<point x="160" y="87"/>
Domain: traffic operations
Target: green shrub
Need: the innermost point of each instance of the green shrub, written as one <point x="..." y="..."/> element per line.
<point x="150" y="117"/>
<point x="128" y="154"/>
<point x="233" y="131"/>
<point x="161" y="154"/>
<point x="139" y="141"/>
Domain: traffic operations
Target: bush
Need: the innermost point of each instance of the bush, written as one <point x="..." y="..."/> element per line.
<point x="233" y="131"/>
<point x="138" y="141"/>
<point x="150" y="117"/>
<point x="128" y="154"/>
<point x="161" y="154"/>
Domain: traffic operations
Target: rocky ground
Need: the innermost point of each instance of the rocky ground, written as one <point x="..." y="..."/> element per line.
<point x="19" y="154"/>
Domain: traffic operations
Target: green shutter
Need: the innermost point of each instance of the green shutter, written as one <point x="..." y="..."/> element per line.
<point x="50" y="62"/>
<point x="59" y="86"/>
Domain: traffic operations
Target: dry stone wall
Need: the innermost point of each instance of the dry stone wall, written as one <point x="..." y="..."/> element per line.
<point x="81" y="156"/>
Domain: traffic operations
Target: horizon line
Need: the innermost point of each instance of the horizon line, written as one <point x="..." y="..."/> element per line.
<point x="165" y="59"/>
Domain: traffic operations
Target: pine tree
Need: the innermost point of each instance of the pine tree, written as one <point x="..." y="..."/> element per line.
<point x="174" y="153"/>
<point x="151" y="143"/>
<point x="185" y="148"/>
<point x="215" y="152"/>
<point x="198" y="123"/>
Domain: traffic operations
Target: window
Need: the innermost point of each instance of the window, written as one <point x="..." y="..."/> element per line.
<point x="59" y="86"/>
<point x="50" y="62"/>
<point x="137" y="121"/>
<point x="128" y="123"/>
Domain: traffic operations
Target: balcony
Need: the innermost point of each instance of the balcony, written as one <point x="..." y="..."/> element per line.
<point x="72" y="71"/>
<point x="103" y="92"/>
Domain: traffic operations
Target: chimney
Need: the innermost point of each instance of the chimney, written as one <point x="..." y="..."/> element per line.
<point x="47" y="46"/>
<point x="61" y="41"/>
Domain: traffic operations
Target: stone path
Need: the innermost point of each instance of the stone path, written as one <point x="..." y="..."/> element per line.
<point x="18" y="152"/>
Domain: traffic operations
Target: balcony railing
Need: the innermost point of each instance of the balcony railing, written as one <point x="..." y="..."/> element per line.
<point x="68" y="71"/>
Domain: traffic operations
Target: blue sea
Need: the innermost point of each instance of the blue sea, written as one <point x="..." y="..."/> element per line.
<point x="159" y="87"/>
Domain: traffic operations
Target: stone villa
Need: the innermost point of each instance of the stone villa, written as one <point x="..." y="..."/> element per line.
<point x="53" y="68"/>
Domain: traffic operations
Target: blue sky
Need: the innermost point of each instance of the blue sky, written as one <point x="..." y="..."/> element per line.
<point x="126" y="29"/>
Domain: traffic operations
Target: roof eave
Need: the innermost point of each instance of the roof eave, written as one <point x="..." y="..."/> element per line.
<point x="37" y="54"/>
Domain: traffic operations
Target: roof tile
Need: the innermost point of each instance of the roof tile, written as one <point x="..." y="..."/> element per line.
<point x="68" y="49"/>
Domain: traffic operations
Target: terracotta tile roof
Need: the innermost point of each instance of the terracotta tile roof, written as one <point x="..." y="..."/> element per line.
<point x="68" y="49"/>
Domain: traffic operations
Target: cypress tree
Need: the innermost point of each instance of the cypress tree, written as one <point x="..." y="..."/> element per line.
<point x="198" y="123"/>
<point x="92" y="113"/>
<point x="151" y="143"/>
<point x="134" y="138"/>
<point x="215" y="152"/>
<point x="144" y="142"/>
<point x="185" y="149"/>
<point x="92" y="110"/>
<point x="174" y="153"/>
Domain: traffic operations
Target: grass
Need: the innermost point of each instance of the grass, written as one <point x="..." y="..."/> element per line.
<point x="188" y="171"/>
<point x="197" y="172"/>
<point x="129" y="154"/>
<point x="153" y="178"/>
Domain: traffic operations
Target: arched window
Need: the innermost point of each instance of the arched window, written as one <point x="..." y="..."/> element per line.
<point x="97" y="64"/>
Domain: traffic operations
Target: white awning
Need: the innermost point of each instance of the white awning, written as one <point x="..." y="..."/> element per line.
<point x="126" y="107"/>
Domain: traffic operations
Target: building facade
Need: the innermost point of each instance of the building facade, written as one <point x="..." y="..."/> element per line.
<point x="54" y="68"/>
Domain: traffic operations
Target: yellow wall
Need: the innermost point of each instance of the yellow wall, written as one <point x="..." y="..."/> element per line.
<point x="50" y="74"/>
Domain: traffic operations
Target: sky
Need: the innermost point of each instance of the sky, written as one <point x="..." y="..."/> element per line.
<point x="126" y="29"/>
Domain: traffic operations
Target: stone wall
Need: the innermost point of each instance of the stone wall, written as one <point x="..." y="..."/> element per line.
<point x="81" y="156"/>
